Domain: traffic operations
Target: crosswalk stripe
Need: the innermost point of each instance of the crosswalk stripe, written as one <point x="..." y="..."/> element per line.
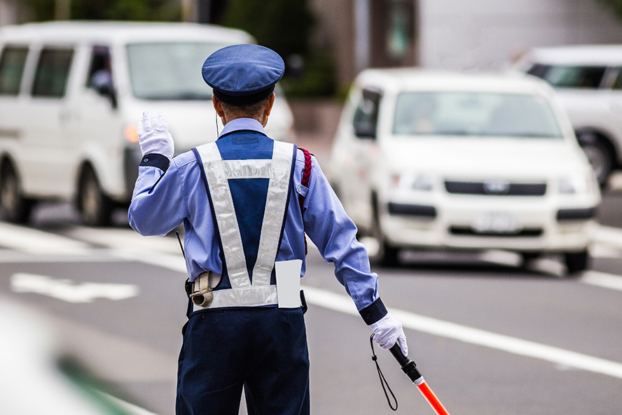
<point x="124" y="239"/>
<point x="602" y="279"/>
<point x="344" y="304"/>
<point x="39" y="242"/>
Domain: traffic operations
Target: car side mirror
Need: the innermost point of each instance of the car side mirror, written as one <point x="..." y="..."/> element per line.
<point x="365" y="131"/>
<point x="104" y="87"/>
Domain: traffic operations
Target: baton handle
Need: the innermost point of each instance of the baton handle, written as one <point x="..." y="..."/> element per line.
<point x="408" y="366"/>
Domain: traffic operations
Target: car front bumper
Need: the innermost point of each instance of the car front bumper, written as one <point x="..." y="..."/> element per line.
<point x="537" y="224"/>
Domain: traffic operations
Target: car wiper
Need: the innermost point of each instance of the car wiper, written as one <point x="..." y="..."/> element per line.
<point x="456" y="132"/>
<point x="524" y="134"/>
<point x="182" y="96"/>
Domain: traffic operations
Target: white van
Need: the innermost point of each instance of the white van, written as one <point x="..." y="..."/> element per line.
<point x="71" y="94"/>
<point x="588" y="82"/>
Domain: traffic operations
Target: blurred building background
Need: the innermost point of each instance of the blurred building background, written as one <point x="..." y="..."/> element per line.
<point x="335" y="39"/>
<point x="325" y="43"/>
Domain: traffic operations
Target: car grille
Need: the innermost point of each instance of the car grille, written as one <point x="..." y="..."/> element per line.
<point x="525" y="233"/>
<point x="495" y="188"/>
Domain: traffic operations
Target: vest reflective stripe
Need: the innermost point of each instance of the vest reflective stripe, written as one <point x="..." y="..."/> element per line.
<point x="218" y="172"/>
<point x="224" y="210"/>
<point x="243" y="297"/>
<point x="274" y="213"/>
<point x="247" y="169"/>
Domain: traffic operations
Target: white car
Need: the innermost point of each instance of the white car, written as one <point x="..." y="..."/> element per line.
<point x="588" y="81"/>
<point x="71" y="94"/>
<point x="441" y="160"/>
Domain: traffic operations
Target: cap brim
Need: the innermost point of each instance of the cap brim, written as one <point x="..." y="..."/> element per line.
<point x="244" y="99"/>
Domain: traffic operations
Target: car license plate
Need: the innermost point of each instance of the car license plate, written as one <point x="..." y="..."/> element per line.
<point x="496" y="222"/>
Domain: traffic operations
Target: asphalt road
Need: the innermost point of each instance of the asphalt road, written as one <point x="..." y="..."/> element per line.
<point x="543" y="344"/>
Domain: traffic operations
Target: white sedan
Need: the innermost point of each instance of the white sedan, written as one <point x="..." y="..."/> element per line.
<point x="442" y="160"/>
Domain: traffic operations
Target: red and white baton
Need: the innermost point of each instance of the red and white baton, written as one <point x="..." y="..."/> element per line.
<point x="410" y="368"/>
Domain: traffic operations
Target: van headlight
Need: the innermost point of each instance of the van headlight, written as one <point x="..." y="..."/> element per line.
<point x="577" y="185"/>
<point x="408" y="181"/>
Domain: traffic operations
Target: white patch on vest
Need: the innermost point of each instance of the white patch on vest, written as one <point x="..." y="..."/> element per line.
<point x="288" y="282"/>
<point x="66" y="290"/>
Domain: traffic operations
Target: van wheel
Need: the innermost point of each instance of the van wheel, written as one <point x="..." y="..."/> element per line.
<point x="94" y="205"/>
<point x="15" y="207"/>
<point x="576" y="262"/>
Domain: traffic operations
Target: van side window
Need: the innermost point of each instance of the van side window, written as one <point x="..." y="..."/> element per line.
<point x="100" y="70"/>
<point x="366" y="114"/>
<point x="12" y="64"/>
<point x="587" y="77"/>
<point x="52" y="73"/>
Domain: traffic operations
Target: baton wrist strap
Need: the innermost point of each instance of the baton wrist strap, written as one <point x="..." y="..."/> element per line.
<point x="383" y="381"/>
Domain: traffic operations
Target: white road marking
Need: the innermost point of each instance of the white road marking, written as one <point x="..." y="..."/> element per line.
<point x="171" y="262"/>
<point x="608" y="236"/>
<point x="602" y="279"/>
<point x="558" y="356"/>
<point x="604" y="251"/>
<point x="66" y="290"/>
<point x="125" y="239"/>
<point x="39" y="242"/>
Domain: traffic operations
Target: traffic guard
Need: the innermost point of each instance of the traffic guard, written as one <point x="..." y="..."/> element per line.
<point x="246" y="202"/>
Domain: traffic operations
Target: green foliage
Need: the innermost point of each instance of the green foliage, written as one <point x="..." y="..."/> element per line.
<point x="285" y="27"/>
<point x="616" y="5"/>
<point x="281" y="25"/>
<point x="317" y="80"/>
<point x="147" y="10"/>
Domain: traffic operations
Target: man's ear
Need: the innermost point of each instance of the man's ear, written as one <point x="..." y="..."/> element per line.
<point x="218" y="107"/>
<point x="269" y="104"/>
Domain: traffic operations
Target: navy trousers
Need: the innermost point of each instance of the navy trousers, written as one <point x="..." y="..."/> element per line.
<point x="261" y="350"/>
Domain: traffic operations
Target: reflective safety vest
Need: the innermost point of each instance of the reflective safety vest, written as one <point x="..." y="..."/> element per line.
<point x="249" y="200"/>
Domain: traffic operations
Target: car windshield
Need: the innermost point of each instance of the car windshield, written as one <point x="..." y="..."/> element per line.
<point x="170" y="70"/>
<point x="474" y="114"/>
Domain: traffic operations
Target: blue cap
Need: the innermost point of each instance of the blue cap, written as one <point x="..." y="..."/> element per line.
<point x="243" y="74"/>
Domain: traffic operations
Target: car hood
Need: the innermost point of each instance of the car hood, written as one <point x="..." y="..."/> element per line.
<point x="463" y="158"/>
<point x="192" y="123"/>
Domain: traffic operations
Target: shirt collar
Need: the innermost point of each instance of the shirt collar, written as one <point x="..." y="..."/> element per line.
<point x="239" y="124"/>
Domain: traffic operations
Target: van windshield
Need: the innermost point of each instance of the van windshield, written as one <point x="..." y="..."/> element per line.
<point x="474" y="114"/>
<point x="170" y="70"/>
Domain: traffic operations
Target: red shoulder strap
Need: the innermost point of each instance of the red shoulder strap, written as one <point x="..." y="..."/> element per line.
<point x="306" y="178"/>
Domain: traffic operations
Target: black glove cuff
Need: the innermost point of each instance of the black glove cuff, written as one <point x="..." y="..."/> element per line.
<point x="155" y="160"/>
<point x="374" y="312"/>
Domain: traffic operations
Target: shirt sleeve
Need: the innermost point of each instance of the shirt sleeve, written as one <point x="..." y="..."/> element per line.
<point x="158" y="202"/>
<point x="334" y="233"/>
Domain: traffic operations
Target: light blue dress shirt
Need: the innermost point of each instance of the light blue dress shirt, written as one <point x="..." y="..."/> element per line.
<point x="164" y="198"/>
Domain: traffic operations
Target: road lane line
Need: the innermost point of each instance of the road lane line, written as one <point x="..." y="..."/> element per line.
<point x="39" y="242"/>
<point x="607" y="235"/>
<point x="171" y="262"/>
<point x="559" y="356"/>
<point x="124" y="239"/>
<point x="602" y="279"/>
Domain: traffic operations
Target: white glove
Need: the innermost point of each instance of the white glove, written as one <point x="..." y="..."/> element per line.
<point x="388" y="331"/>
<point x="153" y="135"/>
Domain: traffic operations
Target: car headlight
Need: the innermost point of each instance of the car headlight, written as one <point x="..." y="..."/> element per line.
<point x="419" y="182"/>
<point x="577" y="185"/>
